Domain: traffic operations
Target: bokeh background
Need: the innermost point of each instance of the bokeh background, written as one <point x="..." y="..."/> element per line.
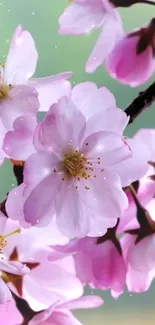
<point x="66" y="53"/>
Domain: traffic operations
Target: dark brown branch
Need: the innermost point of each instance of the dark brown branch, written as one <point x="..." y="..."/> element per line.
<point x="142" y="102"/>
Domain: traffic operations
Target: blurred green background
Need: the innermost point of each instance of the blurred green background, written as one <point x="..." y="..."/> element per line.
<point x="66" y="53"/>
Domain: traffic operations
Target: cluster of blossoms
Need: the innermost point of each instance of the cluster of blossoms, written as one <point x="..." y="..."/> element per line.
<point x="83" y="212"/>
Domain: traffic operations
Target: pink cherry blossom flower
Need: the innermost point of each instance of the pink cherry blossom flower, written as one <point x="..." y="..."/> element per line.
<point x="59" y="314"/>
<point x="70" y="148"/>
<point x="82" y="16"/>
<point x="21" y="64"/>
<point x="47" y="281"/>
<point x="98" y="263"/>
<point x="11" y="267"/>
<point x="132" y="59"/>
<point x="9" y="314"/>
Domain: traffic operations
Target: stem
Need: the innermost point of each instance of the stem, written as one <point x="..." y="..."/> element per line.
<point x="143" y="101"/>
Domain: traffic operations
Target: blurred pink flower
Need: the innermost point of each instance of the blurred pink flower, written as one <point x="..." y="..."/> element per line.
<point x="6" y="266"/>
<point x="59" y="314"/>
<point x="132" y="60"/>
<point x="47" y="281"/>
<point x="99" y="264"/>
<point x="9" y="314"/>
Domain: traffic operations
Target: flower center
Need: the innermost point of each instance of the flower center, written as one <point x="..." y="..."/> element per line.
<point x="73" y="165"/>
<point x="3" y="240"/>
<point x="4" y="90"/>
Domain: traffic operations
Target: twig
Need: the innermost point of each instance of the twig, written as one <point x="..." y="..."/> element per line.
<point x="143" y="101"/>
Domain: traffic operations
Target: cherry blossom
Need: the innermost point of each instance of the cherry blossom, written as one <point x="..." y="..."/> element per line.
<point x="14" y="268"/>
<point x="132" y="59"/>
<point x="69" y="160"/>
<point x="83" y="16"/>
<point x="98" y="262"/>
<point x="51" y="278"/>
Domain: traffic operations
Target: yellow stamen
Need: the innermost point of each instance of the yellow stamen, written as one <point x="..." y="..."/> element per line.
<point x="3" y="241"/>
<point x="17" y="231"/>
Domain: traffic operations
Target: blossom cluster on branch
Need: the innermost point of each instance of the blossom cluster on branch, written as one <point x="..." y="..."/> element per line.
<point x="83" y="210"/>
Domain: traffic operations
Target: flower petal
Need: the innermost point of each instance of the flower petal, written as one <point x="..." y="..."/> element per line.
<point x="39" y="166"/>
<point x="22" y="58"/>
<point x="108" y="148"/>
<point x="72" y="214"/>
<point x="51" y="89"/>
<point x="82" y="17"/>
<point x="39" y="206"/>
<point x="136" y="165"/>
<point x="59" y="130"/>
<point x="104" y="45"/>
<point x="18" y="144"/>
<point x="21" y="100"/>
<point x="91" y="100"/>
<point x="83" y="302"/>
<point x="105" y="196"/>
<point x="14" y="205"/>
<point x="5" y="293"/>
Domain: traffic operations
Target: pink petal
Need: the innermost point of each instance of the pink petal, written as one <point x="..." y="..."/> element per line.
<point x="82" y="17"/>
<point x="91" y="100"/>
<point x="13" y="267"/>
<point x="22" y="58"/>
<point x="137" y="281"/>
<point x="141" y="256"/>
<point x="128" y="67"/>
<point x="42" y="316"/>
<point x="61" y="317"/>
<point x="104" y="46"/>
<point x="105" y="196"/>
<point x="83" y="302"/>
<point x="52" y="280"/>
<point x="22" y="100"/>
<point x="3" y="220"/>
<point x="39" y="206"/>
<point x="51" y="89"/>
<point x="10" y="314"/>
<point x="109" y="267"/>
<point x="39" y="166"/>
<point x="112" y="120"/>
<point x="72" y="213"/>
<point x="14" y="205"/>
<point x="136" y="165"/>
<point x="2" y="135"/>
<point x="147" y="136"/>
<point x="18" y="144"/>
<point x="59" y="130"/>
<point x="5" y="293"/>
<point x="110" y="147"/>
<point x="100" y="224"/>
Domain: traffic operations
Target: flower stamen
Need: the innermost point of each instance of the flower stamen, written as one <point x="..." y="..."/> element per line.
<point x="3" y="241"/>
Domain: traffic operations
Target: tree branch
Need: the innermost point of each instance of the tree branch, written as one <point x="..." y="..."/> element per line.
<point x="143" y="101"/>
